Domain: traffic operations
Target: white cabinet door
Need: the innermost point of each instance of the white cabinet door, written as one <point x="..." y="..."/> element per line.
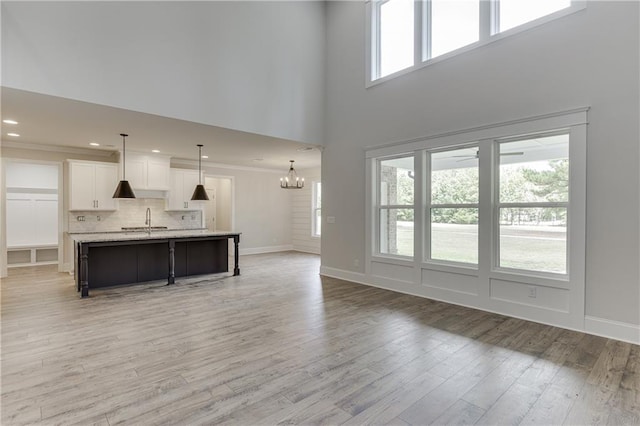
<point x="106" y="180"/>
<point x="91" y="185"/>
<point x="189" y="184"/>
<point x="176" y="190"/>
<point x="183" y="183"/>
<point x="81" y="194"/>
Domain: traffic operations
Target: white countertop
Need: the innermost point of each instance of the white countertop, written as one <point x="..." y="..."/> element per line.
<point x="143" y="235"/>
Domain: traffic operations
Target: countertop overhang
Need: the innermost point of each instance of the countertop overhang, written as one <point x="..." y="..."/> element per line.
<point x="141" y="235"/>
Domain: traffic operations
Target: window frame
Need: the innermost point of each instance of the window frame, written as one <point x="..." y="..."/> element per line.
<point x="315" y="220"/>
<point x="575" y="121"/>
<point x="429" y="205"/>
<point x="488" y="33"/>
<point x="379" y="207"/>
<point x="498" y="205"/>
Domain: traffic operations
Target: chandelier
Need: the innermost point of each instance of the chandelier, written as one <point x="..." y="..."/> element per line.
<point x="291" y="180"/>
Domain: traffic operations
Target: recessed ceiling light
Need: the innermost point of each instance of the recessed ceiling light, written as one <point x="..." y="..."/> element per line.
<point x="15" y="135"/>
<point x="9" y="121"/>
<point x="155" y="150"/>
<point x="258" y="159"/>
<point x="94" y="144"/>
<point x="205" y="156"/>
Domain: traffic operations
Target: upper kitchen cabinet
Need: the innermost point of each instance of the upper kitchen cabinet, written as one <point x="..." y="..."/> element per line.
<point x="183" y="182"/>
<point x="91" y="185"/>
<point x="149" y="172"/>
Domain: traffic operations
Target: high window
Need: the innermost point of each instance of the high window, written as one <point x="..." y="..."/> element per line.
<point x="316" y="209"/>
<point x="395" y="206"/>
<point x="406" y="34"/>
<point x="511" y="13"/>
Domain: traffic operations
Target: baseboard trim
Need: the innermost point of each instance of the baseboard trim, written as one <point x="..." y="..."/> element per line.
<point x="267" y="249"/>
<point x="341" y="274"/>
<point x="303" y="250"/>
<point x="612" y="329"/>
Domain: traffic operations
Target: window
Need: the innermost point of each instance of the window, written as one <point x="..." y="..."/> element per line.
<point x="511" y="13"/>
<point x="396" y="206"/>
<point x="500" y="206"/>
<point x="395" y="41"/>
<point x="406" y="33"/>
<point x="533" y="199"/>
<point x="450" y="25"/>
<point x="453" y="210"/>
<point x="316" y="205"/>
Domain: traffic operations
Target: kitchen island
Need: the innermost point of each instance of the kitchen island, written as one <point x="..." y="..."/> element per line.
<point x="116" y="258"/>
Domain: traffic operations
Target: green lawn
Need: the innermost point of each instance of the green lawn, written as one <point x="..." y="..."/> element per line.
<point x="539" y="248"/>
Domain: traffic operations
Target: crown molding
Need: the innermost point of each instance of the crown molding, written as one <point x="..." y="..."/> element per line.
<point x="57" y="148"/>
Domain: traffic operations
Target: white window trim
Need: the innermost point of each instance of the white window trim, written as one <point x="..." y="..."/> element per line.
<point x="487" y="35"/>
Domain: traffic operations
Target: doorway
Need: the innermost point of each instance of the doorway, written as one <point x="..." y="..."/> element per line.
<point x="218" y="211"/>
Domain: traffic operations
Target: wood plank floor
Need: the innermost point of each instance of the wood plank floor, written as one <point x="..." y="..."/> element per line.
<point x="279" y="344"/>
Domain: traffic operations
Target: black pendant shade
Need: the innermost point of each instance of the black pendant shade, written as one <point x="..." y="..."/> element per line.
<point x="199" y="194"/>
<point x="123" y="190"/>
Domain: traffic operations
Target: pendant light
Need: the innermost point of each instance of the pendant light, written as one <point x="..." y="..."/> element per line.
<point x="291" y="180"/>
<point x="123" y="190"/>
<point x="199" y="194"/>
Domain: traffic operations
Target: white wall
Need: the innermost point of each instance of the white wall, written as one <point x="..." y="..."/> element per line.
<point x="250" y="66"/>
<point x="302" y="224"/>
<point x="262" y="210"/>
<point x="590" y="59"/>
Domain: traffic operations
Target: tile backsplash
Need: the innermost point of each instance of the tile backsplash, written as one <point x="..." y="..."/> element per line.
<point x="132" y="213"/>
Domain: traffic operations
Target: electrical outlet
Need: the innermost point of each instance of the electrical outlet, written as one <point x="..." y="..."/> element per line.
<point x="533" y="292"/>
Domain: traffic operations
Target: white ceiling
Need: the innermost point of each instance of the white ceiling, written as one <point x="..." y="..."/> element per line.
<point x="53" y="121"/>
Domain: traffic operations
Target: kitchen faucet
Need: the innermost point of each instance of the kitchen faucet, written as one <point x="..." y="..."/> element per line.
<point x="147" y="220"/>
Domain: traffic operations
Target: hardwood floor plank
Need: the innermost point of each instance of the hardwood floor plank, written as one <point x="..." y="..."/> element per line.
<point x="436" y="402"/>
<point x="461" y="413"/>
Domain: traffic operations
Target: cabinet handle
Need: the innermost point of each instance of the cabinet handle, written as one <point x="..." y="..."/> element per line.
<point x="97" y="203"/>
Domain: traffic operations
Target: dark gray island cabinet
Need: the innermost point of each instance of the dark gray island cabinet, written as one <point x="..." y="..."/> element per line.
<point x="103" y="260"/>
